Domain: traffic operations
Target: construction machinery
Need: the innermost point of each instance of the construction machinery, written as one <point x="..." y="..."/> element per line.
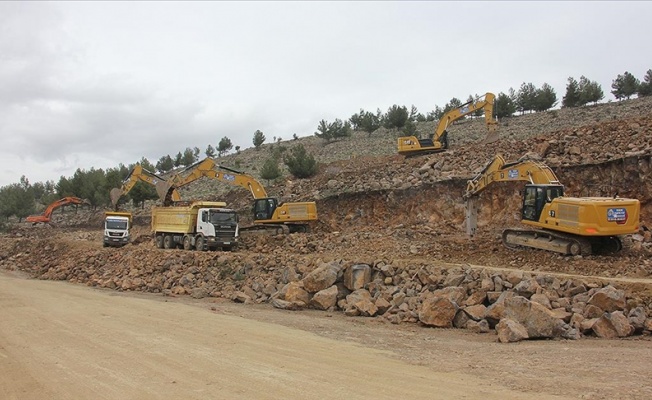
<point x="269" y="214"/>
<point x="116" y="228"/>
<point x="140" y="174"/>
<point x="413" y="146"/>
<point x="201" y="225"/>
<point x="567" y="225"/>
<point x="45" y="217"/>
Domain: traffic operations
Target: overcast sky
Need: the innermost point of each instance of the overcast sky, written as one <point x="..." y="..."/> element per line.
<point x="95" y="84"/>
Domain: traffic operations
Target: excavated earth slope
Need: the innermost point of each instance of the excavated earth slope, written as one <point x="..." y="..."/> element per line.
<point x="390" y="241"/>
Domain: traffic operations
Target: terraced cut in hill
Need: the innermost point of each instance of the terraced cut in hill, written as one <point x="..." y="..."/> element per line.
<point x="390" y="242"/>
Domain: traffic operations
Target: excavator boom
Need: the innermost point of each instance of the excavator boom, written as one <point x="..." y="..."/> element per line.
<point x="45" y="217"/>
<point x="268" y="212"/>
<point x="210" y="169"/>
<point x="140" y="174"/>
<point x="498" y="170"/>
<point x="412" y="146"/>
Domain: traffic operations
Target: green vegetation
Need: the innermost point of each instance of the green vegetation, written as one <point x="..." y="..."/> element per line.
<point x="334" y="130"/>
<point x="22" y="199"/>
<point x="224" y="146"/>
<point x="624" y="86"/>
<point x="259" y="139"/>
<point x="645" y="88"/>
<point x="300" y="163"/>
<point x="270" y="169"/>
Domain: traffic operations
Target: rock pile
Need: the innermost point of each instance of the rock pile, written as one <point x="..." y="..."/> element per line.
<point x="516" y="305"/>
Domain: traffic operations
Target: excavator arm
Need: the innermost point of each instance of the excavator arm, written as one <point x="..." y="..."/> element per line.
<point x="410" y="145"/>
<point x="267" y="210"/>
<point x="210" y="169"/>
<point x="45" y="217"/>
<point x="140" y="174"/>
<point x="497" y="170"/>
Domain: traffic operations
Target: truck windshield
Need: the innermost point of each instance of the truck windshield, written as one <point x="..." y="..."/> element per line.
<point x="116" y="224"/>
<point x="223" y="217"/>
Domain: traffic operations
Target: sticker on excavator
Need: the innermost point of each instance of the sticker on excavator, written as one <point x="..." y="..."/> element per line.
<point x="512" y="174"/>
<point x="618" y="215"/>
<point x="229" y="177"/>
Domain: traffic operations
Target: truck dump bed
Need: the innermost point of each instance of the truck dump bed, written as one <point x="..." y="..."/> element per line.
<point x="180" y="219"/>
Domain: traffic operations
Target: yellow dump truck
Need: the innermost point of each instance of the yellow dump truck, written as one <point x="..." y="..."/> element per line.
<point x="116" y="228"/>
<point x="200" y="225"/>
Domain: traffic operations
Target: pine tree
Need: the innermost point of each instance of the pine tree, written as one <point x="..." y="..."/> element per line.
<point x="545" y="98"/>
<point x="526" y="97"/>
<point x="645" y="87"/>
<point x="624" y="86"/>
<point x="572" y="96"/>
<point x="224" y="146"/>
<point x="590" y="91"/>
<point x="259" y="139"/>
<point x="210" y="151"/>
<point x="504" y="106"/>
<point x="300" y="163"/>
<point x="188" y="158"/>
<point x="270" y="169"/>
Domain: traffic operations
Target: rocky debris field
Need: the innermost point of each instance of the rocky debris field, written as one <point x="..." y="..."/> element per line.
<point x="390" y="242"/>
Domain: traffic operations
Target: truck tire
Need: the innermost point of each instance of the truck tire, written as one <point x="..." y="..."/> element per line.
<point x="199" y="243"/>
<point x="159" y="241"/>
<point x="168" y="243"/>
<point x="187" y="243"/>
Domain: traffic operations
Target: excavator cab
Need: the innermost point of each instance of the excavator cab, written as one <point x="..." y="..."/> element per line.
<point x="264" y="208"/>
<point x="536" y="197"/>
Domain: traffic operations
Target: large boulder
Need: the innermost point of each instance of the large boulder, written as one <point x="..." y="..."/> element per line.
<point x="539" y="321"/>
<point x="510" y="331"/>
<point x="295" y="293"/>
<point x="613" y="325"/>
<point x="357" y="276"/>
<point x="321" y="278"/>
<point x="609" y="299"/>
<point x="438" y="311"/>
<point x="360" y="302"/>
<point x="325" y="299"/>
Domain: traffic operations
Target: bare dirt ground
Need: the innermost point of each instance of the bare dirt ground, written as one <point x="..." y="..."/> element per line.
<point x="62" y="341"/>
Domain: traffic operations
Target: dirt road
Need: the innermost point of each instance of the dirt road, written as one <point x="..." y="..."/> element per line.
<point x="64" y="341"/>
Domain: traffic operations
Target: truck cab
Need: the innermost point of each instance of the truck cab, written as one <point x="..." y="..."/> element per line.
<point x="219" y="227"/>
<point x="116" y="228"/>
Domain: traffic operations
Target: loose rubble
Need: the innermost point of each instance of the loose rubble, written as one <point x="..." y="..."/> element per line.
<point x="390" y="242"/>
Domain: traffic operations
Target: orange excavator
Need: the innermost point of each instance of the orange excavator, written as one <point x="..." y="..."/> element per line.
<point x="45" y="217"/>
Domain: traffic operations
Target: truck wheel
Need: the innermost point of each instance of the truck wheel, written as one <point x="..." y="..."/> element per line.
<point x="159" y="241"/>
<point x="167" y="242"/>
<point x="199" y="243"/>
<point x="187" y="245"/>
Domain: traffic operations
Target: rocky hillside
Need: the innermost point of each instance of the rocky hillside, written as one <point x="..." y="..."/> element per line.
<point x="390" y="241"/>
<point x="605" y="140"/>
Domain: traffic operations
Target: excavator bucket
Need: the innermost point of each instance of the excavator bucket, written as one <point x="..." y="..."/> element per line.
<point x="115" y="195"/>
<point x="162" y="188"/>
<point x="492" y="136"/>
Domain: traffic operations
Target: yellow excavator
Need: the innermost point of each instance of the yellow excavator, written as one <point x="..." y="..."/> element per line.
<point x="566" y="225"/>
<point x="412" y="146"/>
<point x="140" y="174"/>
<point x="268" y="213"/>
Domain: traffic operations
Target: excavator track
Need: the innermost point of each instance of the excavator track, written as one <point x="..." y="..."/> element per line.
<point x="547" y="240"/>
